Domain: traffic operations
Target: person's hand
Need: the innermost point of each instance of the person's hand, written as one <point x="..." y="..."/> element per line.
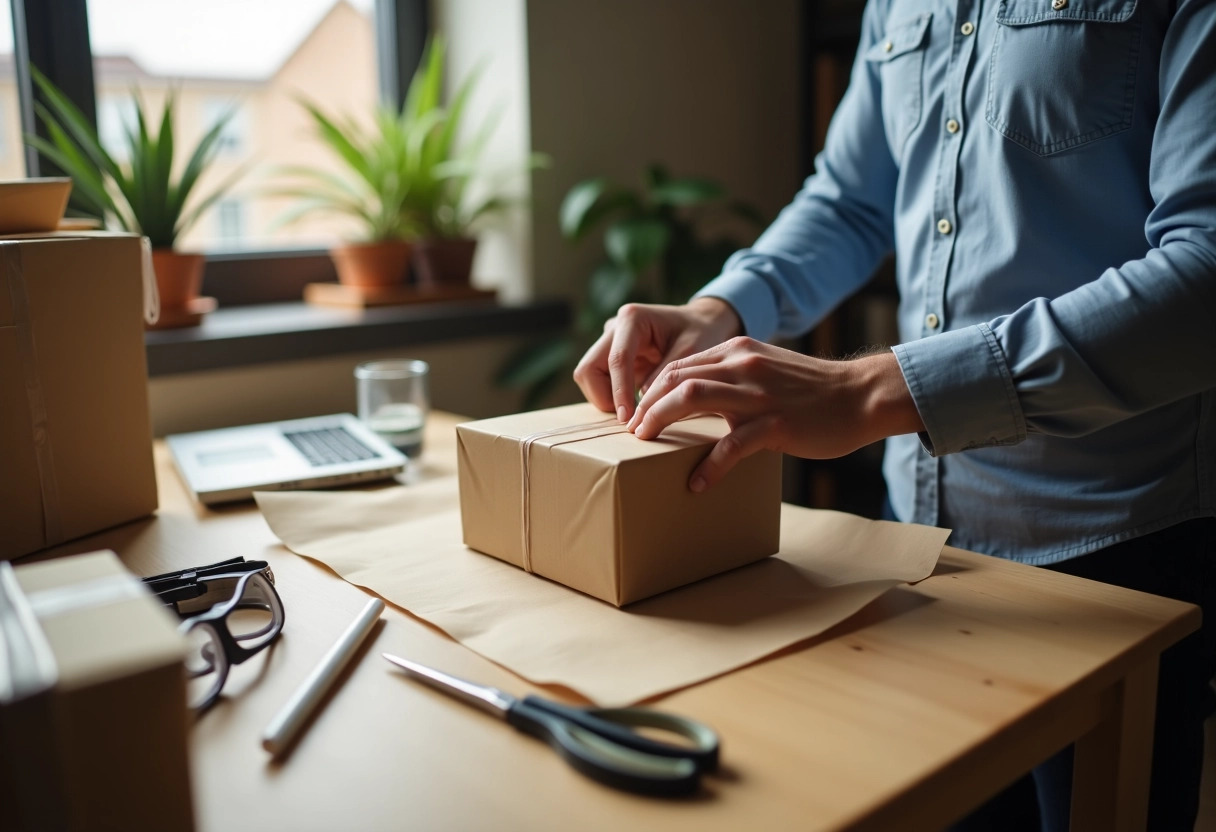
<point x="778" y="400"/>
<point x="641" y="340"/>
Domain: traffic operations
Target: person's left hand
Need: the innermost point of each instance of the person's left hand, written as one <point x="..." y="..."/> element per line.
<point x="778" y="400"/>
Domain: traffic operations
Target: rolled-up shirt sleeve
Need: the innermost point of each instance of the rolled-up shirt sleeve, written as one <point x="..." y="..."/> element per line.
<point x="1139" y="336"/>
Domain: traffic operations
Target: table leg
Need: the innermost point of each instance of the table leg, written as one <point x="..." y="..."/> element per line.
<point x="1113" y="762"/>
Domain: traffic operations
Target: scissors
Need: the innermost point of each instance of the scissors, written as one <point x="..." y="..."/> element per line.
<point x="598" y="742"/>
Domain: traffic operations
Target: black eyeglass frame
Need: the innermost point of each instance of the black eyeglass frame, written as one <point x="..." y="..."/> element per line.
<point x="216" y="620"/>
<point x="190" y="591"/>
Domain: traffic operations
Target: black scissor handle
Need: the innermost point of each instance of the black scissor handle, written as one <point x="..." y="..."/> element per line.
<point x="604" y="758"/>
<point x="618" y="724"/>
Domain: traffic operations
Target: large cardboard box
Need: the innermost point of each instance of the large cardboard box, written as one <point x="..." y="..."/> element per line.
<point x="75" y="437"/>
<point x="93" y="716"/>
<point x="567" y="493"/>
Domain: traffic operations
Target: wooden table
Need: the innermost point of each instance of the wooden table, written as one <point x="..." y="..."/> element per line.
<point x="904" y="717"/>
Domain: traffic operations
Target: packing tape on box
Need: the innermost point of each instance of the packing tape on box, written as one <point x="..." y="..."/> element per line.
<point x="52" y="522"/>
<point x="27" y="665"/>
<point x="525" y="450"/>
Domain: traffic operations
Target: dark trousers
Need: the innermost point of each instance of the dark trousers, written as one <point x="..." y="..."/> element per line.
<point x="1178" y="562"/>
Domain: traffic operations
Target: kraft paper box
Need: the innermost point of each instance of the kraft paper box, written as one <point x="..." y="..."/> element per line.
<point x="567" y="493"/>
<point x="75" y="436"/>
<point x="93" y="716"/>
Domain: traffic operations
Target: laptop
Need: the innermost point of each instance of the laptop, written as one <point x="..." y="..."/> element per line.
<point x="219" y="466"/>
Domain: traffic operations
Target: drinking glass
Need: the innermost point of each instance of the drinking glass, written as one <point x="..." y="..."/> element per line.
<point x="394" y="400"/>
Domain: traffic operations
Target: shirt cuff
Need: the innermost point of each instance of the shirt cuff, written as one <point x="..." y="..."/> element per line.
<point x="963" y="390"/>
<point x="751" y="298"/>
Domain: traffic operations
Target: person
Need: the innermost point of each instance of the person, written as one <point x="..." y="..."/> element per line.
<point x="1045" y="171"/>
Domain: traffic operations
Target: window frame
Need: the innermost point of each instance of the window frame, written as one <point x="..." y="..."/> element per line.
<point x="54" y="36"/>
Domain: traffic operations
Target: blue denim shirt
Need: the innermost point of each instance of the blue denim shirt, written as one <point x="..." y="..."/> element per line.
<point x="1045" y="171"/>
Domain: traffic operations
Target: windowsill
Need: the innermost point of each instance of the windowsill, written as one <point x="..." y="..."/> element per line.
<point x="245" y="335"/>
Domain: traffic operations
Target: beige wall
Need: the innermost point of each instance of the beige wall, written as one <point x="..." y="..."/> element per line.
<point x="461" y="382"/>
<point x="708" y="87"/>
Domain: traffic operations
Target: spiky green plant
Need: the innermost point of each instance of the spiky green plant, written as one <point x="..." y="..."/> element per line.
<point x="141" y="195"/>
<point x="406" y="174"/>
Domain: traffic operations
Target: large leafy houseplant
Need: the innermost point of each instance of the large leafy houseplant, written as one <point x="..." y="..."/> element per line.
<point x="142" y="194"/>
<point x="655" y="252"/>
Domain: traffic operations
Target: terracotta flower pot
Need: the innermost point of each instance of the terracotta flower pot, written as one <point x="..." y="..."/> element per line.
<point x="179" y="277"/>
<point x="372" y="264"/>
<point x="444" y="261"/>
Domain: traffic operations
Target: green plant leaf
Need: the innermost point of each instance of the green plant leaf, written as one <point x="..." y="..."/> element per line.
<point x="340" y="143"/>
<point x="534" y="362"/>
<point x="656" y="175"/>
<point x="636" y="243"/>
<point x="608" y="288"/>
<point x="425" y="87"/>
<point x="74" y="123"/>
<point x="583" y="206"/>
<point x="192" y="216"/>
<point x="686" y="191"/>
<point x="63" y="153"/>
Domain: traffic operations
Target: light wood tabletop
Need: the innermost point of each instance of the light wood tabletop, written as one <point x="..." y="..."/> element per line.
<point x="904" y="717"/>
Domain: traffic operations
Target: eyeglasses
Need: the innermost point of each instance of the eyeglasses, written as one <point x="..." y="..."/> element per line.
<point x="248" y="617"/>
<point x="186" y="591"/>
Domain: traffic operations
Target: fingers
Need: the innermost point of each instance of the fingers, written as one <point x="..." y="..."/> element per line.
<point x="591" y="374"/>
<point x="697" y="395"/>
<point x="743" y="441"/>
<point x="671" y="375"/>
<point x="622" y="357"/>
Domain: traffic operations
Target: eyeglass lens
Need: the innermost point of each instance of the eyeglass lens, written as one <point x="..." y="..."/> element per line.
<point x="206" y="665"/>
<point x="253" y="621"/>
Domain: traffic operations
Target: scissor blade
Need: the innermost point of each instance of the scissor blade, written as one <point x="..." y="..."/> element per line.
<point x="491" y="700"/>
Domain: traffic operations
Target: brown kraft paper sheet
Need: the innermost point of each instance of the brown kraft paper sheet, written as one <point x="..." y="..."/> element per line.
<point x="404" y="544"/>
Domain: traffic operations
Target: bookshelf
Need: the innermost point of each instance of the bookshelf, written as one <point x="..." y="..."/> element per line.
<point x="830" y="32"/>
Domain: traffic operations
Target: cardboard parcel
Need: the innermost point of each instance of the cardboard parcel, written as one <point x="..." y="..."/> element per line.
<point x="569" y="494"/>
<point x="75" y="438"/>
<point x="94" y="726"/>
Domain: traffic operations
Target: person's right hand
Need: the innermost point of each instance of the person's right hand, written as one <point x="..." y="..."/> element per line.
<point x="641" y="340"/>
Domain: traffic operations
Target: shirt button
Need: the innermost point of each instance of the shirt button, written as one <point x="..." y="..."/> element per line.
<point x="888" y="46"/>
<point x="931" y="321"/>
<point x="1059" y="4"/>
<point x="967" y="28"/>
<point x="944" y="226"/>
<point x="952" y="126"/>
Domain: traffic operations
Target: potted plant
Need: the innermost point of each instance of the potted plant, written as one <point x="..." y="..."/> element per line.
<point x="655" y="253"/>
<point x="450" y="205"/>
<point x="390" y="176"/>
<point x="382" y="171"/>
<point x="141" y="195"/>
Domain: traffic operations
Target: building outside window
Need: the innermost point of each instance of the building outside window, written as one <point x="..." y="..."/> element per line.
<point x="234" y="139"/>
<point x="230" y="219"/>
<point x="116" y="118"/>
<point x="321" y="50"/>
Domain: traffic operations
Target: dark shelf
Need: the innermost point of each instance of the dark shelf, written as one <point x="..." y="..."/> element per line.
<point x="246" y="335"/>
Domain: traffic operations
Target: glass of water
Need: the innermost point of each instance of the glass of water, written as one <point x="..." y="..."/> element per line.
<point x="394" y="399"/>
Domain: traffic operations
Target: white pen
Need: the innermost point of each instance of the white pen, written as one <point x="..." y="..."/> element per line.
<point x="288" y="721"/>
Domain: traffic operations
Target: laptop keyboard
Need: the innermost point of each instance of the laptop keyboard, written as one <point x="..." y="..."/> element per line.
<point x="329" y="446"/>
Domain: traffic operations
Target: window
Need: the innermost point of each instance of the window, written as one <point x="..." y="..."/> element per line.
<point x="12" y="162"/>
<point x="230" y="219"/>
<point x="257" y="54"/>
<point x="115" y="118"/>
<point x="323" y="50"/>
<point x="234" y="139"/>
